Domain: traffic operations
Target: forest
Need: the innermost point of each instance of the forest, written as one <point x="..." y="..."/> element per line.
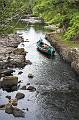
<point x="64" y="13"/>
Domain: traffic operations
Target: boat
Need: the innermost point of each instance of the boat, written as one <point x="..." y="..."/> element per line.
<point x="45" y="48"/>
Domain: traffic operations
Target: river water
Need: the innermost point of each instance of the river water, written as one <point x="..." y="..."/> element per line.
<point x="56" y="96"/>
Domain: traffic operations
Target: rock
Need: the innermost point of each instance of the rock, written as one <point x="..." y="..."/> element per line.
<point x="2" y="107"/>
<point x="23" y="88"/>
<point x="31" y="88"/>
<point x="10" y="56"/>
<point x="17" y="61"/>
<point x="28" y="83"/>
<point x="19" y="81"/>
<point x="9" y="81"/>
<point x="14" y="88"/>
<point x="27" y="109"/>
<point x="9" y="108"/>
<point x="19" y="51"/>
<point x="19" y="95"/>
<point x="7" y="72"/>
<point x="28" y="62"/>
<point x="9" y="97"/>
<point x="18" y="113"/>
<point x="30" y="75"/>
<point x="75" y="66"/>
<point x="20" y="72"/>
<point x="14" y="102"/>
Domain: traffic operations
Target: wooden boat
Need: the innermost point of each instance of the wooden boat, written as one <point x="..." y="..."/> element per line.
<point x="44" y="48"/>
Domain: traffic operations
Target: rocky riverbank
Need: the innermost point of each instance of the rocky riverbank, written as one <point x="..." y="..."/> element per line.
<point x="70" y="55"/>
<point x="10" y="55"/>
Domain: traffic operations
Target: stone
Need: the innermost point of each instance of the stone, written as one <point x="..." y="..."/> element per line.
<point x="9" y="81"/>
<point x="31" y="88"/>
<point x="75" y="66"/>
<point x="23" y="88"/>
<point x="19" y="51"/>
<point x="9" y="97"/>
<point x="19" y="81"/>
<point x="6" y="72"/>
<point x="14" y="102"/>
<point x="17" y="61"/>
<point x="30" y="75"/>
<point x="2" y="107"/>
<point x="18" y="113"/>
<point x="28" y="83"/>
<point x="20" y="72"/>
<point x="9" y="108"/>
<point x="19" y="96"/>
<point x="14" y="88"/>
<point x="28" y="62"/>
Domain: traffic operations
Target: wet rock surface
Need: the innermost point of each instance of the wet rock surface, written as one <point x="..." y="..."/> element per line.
<point x="9" y="108"/>
<point x="6" y="72"/>
<point x="30" y="75"/>
<point x="19" y="96"/>
<point x="8" y="82"/>
<point x="31" y="88"/>
<point x="18" y="113"/>
<point x="14" y="110"/>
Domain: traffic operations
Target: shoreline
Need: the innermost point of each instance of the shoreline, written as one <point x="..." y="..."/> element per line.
<point x="68" y="54"/>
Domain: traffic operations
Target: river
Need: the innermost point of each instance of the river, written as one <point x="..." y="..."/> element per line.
<point x="56" y="96"/>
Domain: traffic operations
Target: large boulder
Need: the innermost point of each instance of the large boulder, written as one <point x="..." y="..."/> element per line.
<point x="8" y="82"/>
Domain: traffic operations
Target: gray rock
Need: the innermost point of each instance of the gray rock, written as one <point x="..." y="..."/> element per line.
<point x="18" y="113"/>
<point x="19" y="95"/>
<point x="31" y="88"/>
<point x="7" y="72"/>
<point x="23" y="88"/>
<point x="14" y="88"/>
<point x="9" y="108"/>
<point x="28" y="83"/>
<point x="20" y="72"/>
<point x="28" y="62"/>
<point x="9" y="97"/>
<point x="2" y="107"/>
<point x="30" y="75"/>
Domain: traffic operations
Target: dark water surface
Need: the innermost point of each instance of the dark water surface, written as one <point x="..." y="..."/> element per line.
<point x="56" y="96"/>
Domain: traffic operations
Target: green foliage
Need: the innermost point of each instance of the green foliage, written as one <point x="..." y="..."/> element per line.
<point x="11" y="9"/>
<point x="73" y="30"/>
<point x="62" y="12"/>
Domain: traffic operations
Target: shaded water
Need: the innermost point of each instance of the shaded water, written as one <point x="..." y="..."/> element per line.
<point x="57" y="94"/>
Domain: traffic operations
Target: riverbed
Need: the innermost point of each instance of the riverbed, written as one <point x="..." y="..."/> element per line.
<point x="57" y="87"/>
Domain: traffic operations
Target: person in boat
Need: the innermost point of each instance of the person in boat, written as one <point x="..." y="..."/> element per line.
<point x="45" y="46"/>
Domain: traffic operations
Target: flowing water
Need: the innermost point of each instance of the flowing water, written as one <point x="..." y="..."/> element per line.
<point x="56" y="96"/>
